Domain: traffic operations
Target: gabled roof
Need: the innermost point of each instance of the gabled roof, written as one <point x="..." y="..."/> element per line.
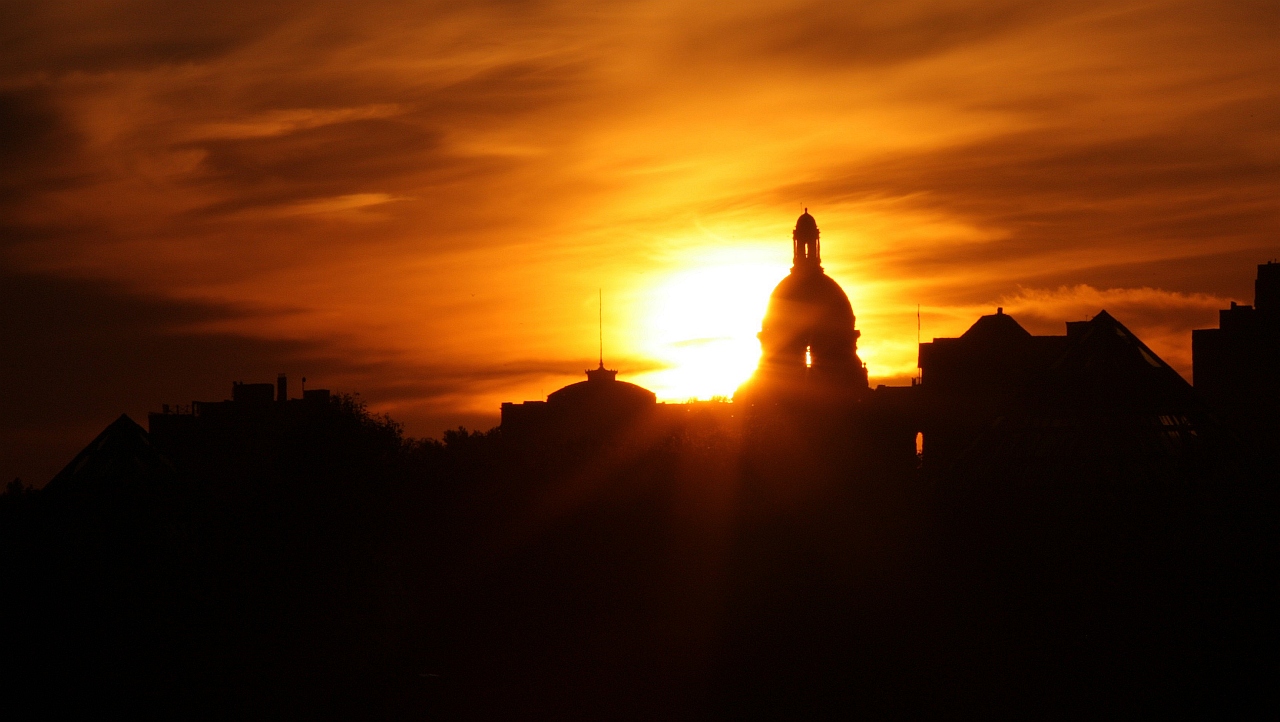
<point x="1106" y="367"/>
<point x="122" y="456"/>
<point x="996" y="327"/>
<point x="1107" y="407"/>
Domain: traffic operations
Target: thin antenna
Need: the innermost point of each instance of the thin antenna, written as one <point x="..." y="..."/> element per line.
<point x="600" y="309"/>
<point x="917" y="335"/>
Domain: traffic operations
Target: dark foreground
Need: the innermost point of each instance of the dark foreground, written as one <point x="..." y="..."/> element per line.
<point x="694" y="572"/>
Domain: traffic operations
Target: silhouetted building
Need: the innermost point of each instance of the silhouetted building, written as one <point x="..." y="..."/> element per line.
<point x="581" y="410"/>
<point x="1236" y="367"/>
<point x="966" y="382"/>
<point x="256" y="413"/>
<point x="1094" y="401"/>
<point x="1106" y="407"/>
<point x="998" y="396"/>
<point x="808" y="342"/>
<point x="993" y="358"/>
<point x="121" y="459"/>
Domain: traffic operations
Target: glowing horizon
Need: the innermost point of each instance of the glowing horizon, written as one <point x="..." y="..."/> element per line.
<point x="419" y="201"/>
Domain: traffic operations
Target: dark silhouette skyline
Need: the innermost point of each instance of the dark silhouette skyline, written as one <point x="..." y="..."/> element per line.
<point x="1082" y="532"/>
<point x="248" y="205"/>
<point x="995" y="395"/>
<point x="419" y="202"/>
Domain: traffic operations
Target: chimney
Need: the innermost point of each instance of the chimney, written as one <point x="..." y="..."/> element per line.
<point x="282" y="388"/>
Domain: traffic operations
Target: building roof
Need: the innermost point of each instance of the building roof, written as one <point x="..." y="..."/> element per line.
<point x="602" y="389"/>
<point x="806" y="227"/>
<point x="121" y="457"/>
<point x="1107" y="407"/>
<point x="809" y="298"/>
<point x="1106" y="366"/>
<point x="996" y="327"/>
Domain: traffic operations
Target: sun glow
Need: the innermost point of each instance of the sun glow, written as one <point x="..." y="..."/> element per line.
<point x="700" y="324"/>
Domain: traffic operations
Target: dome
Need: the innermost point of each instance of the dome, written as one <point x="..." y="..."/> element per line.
<point x="603" y="391"/>
<point x="806" y="225"/>
<point x="810" y="301"/>
<point x="809" y="312"/>
<point x="808" y="337"/>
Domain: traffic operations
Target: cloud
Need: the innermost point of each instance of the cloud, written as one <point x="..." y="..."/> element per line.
<point x="103" y="36"/>
<point x="1139" y="307"/>
<point x="37" y="145"/>
<point x="824" y="34"/>
<point x="329" y="160"/>
<point x="341" y="205"/>
<point x="1045" y="206"/>
<point x="280" y="122"/>
<point x="412" y="200"/>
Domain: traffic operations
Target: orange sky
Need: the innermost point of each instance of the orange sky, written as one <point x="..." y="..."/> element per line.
<point x="418" y="201"/>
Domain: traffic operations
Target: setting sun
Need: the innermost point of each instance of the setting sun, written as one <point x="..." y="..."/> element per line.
<point x="399" y="210"/>
<point x="700" y="324"/>
<point x="646" y="359"/>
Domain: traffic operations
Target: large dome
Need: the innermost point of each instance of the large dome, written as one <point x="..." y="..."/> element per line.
<point x="808" y="339"/>
<point x="809" y="312"/>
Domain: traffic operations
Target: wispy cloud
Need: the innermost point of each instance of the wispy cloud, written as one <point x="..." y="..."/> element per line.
<point x="416" y="199"/>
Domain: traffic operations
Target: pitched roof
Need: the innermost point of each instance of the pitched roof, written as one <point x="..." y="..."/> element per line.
<point x="1107" y="367"/>
<point x="996" y="327"/>
<point x="1107" y="406"/>
<point x="122" y="456"/>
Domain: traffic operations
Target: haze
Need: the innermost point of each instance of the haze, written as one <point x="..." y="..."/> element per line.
<point x="421" y="201"/>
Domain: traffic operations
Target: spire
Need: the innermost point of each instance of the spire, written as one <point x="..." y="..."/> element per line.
<point x="600" y="373"/>
<point x="806" y="253"/>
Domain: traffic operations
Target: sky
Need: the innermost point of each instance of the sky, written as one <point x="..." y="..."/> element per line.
<point x="425" y="202"/>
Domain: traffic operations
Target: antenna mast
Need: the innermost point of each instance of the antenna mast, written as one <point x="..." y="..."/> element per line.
<point x="600" y="325"/>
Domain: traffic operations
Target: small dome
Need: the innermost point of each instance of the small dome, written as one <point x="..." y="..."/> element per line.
<point x="806" y="227"/>
<point x="603" y="391"/>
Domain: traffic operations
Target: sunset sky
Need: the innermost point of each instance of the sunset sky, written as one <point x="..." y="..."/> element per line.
<point x="420" y="201"/>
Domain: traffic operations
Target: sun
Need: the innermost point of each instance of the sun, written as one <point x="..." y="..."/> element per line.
<point x="699" y="324"/>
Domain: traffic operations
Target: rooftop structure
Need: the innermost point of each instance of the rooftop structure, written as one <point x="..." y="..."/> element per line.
<point x="585" y="408"/>
<point x="808" y="339"/>
<point x="1236" y="367"/>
